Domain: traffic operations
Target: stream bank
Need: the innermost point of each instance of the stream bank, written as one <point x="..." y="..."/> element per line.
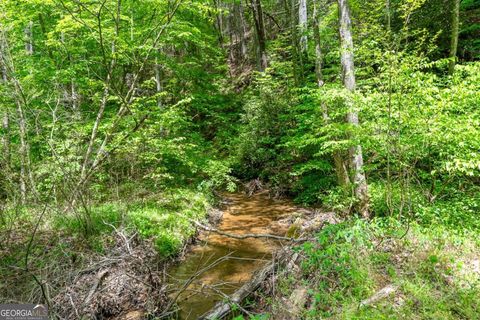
<point x="129" y="281"/>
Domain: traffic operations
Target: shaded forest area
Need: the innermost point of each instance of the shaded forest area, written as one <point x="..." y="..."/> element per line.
<point x="122" y="122"/>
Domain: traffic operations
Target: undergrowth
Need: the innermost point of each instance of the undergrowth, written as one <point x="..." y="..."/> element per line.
<point x="432" y="259"/>
<point x="166" y="220"/>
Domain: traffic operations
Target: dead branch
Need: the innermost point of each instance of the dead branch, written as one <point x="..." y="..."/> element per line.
<point x="223" y="309"/>
<point x="95" y="286"/>
<point x="191" y="279"/>
<point x="227" y="298"/>
<point x="379" y="295"/>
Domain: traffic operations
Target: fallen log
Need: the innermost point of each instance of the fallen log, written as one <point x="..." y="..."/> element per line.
<point x="223" y="308"/>
<point x="381" y="294"/>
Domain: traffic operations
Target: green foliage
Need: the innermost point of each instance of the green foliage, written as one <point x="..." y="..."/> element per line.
<point x="264" y="118"/>
<point x="459" y="212"/>
<point x="133" y="113"/>
<point x="334" y="270"/>
<point x="167" y="221"/>
<point x="348" y="262"/>
<point x="100" y="221"/>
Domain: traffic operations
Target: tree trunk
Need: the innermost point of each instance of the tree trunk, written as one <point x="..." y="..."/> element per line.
<point x="243" y="32"/>
<point x="219" y="19"/>
<point x="302" y="24"/>
<point x="3" y="61"/>
<point x="29" y="38"/>
<point x="233" y="36"/>
<point x="5" y="120"/>
<point x="23" y="153"/>
<point x="8" y="70"/>
<point x="340" y="167"/>
<point x="348" y="76"/>
<point x="158" y="82"/>
<point x="96" y="125"/>
<point x="260" y="29"/>
<point x="294" y="38"/>
<point x="74" y="97"/>
<point x="6" y="139"/>
<point x="318" y="44"/>
<point x="454" y="36"/>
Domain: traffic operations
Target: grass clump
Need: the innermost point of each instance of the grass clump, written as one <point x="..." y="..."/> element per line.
<point x="165" y="220"/>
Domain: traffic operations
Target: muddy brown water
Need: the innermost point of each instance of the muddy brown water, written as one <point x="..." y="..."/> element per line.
<point x="237" y="259"/>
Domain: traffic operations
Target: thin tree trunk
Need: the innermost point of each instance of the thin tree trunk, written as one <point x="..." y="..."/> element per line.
<point x="348" y="76"/>
<point x="23" y="153"/>
<point x="70" y="92"/>
<point x="93" y="135"/>
<point x="219" y="17"/>
<point x="302" y="23"/>
<point x="158" y="82"/>
<point x="233" y="36"/>
<point x="74" y="96"/>
<point x="318" y="44"/>
<point x="25" y="163"/>
<point x="260" y="28"/>
<point x="5" y="120"/>
<point x="3" y="60"/>
<point x="454" y="36"/>
<point x="29" y="38"/>
<point x="19" y="98"/>
<point x="243" y="32"/>
<point x="6" y="139"/>
<point x="103" y="103"/>
<point x="340" y="166"/>
<point x="293" y="30"/>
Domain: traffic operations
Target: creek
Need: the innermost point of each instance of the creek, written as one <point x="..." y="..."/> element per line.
<point x="218" y="265"/>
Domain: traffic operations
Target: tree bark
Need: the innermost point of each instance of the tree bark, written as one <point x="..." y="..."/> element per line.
<point x="23" y="153"/>
<point x="29" y="38"/>
<point x="454" y="36"/>
<point x="302" y="24"/>
<point x="20" y="102"/>
<point x="96" y="125"/>
<point x="294" y="38"/>
<point x="348" y="77"/>
<point x="219" y="19"/>
<point x="260" y="29"/>
<point x="6" y="139"/>
<point x="340" y="166"/>
<point x="158" y="82"/>
<point x="243" y="32"/>
<point x="3" y="60"/>
<point x="5" y="120"/>
<point x="318" y="44"/>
